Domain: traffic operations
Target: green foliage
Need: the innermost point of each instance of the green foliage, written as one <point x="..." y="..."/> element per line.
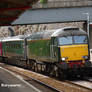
<point x="43" y="1"/>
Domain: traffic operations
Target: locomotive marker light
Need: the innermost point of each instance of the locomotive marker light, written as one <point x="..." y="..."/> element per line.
<point x="87" y="15"/>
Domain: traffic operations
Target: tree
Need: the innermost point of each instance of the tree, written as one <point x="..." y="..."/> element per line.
<point x="43" y="1"/>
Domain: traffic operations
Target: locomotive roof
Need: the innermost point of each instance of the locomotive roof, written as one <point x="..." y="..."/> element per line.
<point x="66" y="31"/>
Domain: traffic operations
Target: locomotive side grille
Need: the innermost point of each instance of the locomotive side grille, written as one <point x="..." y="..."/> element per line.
<point x="71" y="29"/>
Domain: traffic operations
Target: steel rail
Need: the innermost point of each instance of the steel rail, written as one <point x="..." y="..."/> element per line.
<point x="81" y="86"/>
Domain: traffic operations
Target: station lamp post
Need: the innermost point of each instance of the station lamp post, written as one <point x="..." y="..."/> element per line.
<point x="87" y="15"/>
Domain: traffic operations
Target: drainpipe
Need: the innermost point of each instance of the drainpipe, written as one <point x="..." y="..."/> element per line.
<point x="11" y="31"/>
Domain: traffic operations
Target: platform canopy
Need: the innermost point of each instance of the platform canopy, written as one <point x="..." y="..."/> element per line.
<point x="11" y="9"/>
<point x="54" y="15"/>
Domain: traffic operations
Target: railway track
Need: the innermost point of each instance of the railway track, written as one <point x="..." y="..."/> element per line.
<point x="42" y="83"/>
<point x="86" y="84"/>
<point x="55" y="85"/>
<point x="89" y="79"/>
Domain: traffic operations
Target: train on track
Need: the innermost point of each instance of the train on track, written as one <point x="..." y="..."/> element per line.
<point x="61" y="52"/>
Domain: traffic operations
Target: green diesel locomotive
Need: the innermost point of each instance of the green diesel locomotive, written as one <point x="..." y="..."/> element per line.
<point x="60" y="52"/>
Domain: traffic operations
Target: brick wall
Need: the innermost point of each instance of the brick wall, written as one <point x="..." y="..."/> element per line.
<point x="63" y="3"/>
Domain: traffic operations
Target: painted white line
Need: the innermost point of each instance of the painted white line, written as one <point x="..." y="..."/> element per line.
<point x="20" y="78"/>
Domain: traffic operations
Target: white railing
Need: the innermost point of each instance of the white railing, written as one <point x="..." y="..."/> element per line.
<point x="63" y="3"/>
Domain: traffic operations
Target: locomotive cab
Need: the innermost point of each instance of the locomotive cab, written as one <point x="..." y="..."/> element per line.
<point x="71" y="49"/>
<point x="74" y="50"/>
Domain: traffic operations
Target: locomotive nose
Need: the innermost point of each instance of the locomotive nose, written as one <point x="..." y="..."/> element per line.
<point x="74" y="52"/>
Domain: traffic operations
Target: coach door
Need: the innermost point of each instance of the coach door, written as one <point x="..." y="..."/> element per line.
<point x="25" y="48"/>
<point x="0" y="48"/>
<point x="54" y="49"/>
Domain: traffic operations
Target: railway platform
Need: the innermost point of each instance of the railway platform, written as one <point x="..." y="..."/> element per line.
<point x="13" y="83"/>
<point x="53" y="83"/>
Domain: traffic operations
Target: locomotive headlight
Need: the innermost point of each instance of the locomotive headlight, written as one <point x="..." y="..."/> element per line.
<point x="85" y="57"/>
<point x="64" y="58"/>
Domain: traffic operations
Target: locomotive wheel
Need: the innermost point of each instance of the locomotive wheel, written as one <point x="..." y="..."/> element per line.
<point x="42" y="68"/>
<point x="56" y="71"/>
<point x="25" y="63"/>
<point x="28" y="64"/>
<point x="39" y="67"/>
<point x="61" y="76"/>
<point x="1" y="59"/>
<point x="35" y="67"/>
<point x="5" y="60"/>
<point x="82" y="75"/>
<point x="48" y="69"/>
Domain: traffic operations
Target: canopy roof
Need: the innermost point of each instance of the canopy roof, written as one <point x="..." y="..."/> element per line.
<point x="11" y="9"/>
